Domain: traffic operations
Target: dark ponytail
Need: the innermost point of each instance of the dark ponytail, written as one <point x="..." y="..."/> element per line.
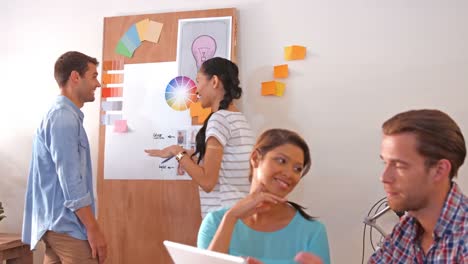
<point x="301" y="210"/>
<point x="200" y="144"/>
<point x="228" y="73"/>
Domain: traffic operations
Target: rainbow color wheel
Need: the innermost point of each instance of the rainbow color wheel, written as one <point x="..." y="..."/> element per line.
<point x="180" y="93"/>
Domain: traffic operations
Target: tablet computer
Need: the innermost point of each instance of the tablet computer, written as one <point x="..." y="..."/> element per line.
<point x="184" y="254"/>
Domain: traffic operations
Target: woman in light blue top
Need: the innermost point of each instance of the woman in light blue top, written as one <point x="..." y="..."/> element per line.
<point x="265" y="226"/>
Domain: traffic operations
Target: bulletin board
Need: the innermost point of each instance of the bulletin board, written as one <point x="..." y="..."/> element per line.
<point x="137" y="215"/>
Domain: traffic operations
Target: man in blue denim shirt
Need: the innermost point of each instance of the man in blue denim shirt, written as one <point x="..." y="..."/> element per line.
<point x="59" y="206"/>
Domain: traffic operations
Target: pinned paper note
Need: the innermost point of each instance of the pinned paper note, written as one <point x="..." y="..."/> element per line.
<point x="154" y="31"/>
<point x="268" y="88"/>
<point x="294" y="52"/>
<point x="142" y="28"/>
<point x="120" y="126"/>
<point x="273" y="88"/>
<point x="280" y="71"/>
<point x="197" y="111"/>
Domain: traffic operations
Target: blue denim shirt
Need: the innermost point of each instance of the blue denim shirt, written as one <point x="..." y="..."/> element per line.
<point x="60" y="177"/>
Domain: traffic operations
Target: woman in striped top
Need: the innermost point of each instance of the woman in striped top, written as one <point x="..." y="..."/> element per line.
<point x="220" y="163"/>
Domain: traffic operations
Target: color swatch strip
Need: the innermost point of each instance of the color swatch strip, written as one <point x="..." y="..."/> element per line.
<point x="144" y="30"/>
<point x="108" y="78"/>
<point x="113" y="65"/>
<point x="111" y="106"/>
<point x="112" y="92"/>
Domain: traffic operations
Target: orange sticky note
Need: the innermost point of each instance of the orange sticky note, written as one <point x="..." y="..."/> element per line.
<point x="120" y="126"/>
<point x="196" y="110"/>
<point x="273" y="88"/>
<point x="294" y="52"/>
<point x="205" y="112"/>
<point x="268" y="88"/>
<point x="280" y="71"/>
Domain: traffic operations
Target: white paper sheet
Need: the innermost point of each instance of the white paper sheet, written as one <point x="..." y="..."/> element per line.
<point x="151" y="124"/>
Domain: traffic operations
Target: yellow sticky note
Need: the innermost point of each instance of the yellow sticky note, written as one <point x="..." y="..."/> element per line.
<point x="280" y="87"/>
<point x="142" y="28"/>
<point x="153" y="31"/>
<point x="294" y="52"/>
<point x="268" y="88"/>
<point x="280" y="71"/>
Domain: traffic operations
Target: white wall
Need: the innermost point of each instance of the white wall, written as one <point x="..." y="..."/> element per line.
<point x="366" y="61"/>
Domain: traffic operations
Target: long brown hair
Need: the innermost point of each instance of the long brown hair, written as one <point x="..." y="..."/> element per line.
<point x="273" y="138"/>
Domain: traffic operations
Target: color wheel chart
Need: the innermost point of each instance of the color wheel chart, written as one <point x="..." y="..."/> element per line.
<point x="180" y="93"/>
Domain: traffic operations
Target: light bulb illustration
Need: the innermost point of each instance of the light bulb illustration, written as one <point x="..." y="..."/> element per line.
<point x="203" y="48"/>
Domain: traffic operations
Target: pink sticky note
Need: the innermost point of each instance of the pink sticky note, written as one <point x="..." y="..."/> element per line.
<point x="120" y="126"/>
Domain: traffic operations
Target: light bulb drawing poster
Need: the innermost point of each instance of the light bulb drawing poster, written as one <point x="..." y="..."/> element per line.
<point x="152" y="124"/>
<point x="200" y="39"/>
